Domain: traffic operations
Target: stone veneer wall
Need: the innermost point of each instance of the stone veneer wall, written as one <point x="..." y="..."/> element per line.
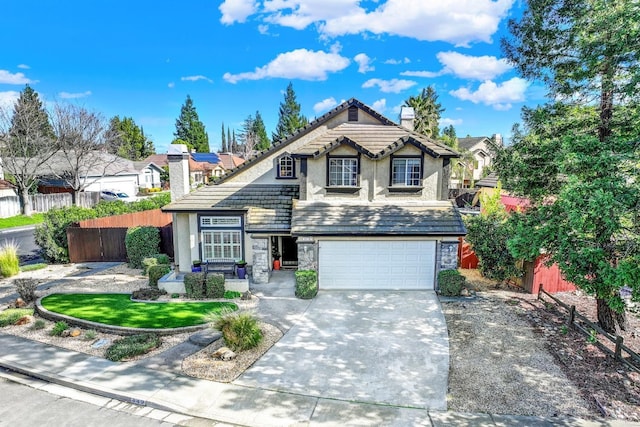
<point x="307" y="253"/>
<point x="260" y="268"/>
<point x="448" y="256"/>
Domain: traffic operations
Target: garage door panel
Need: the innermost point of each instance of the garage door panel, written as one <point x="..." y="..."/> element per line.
<point x="377" y="264"/>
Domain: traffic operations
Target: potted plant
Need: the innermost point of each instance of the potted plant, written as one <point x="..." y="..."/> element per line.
<point x="276" y="259"/>
<point x="196" y="266"/>
<point x="241" y="269"/>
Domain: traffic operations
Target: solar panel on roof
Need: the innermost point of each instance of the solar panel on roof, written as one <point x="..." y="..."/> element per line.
<point x="206" y="157"/>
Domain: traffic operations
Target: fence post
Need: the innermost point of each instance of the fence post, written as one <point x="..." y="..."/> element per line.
<point x="572" y="316"/>
<point x="539" y="291"/>
<point x="618" y="352"/>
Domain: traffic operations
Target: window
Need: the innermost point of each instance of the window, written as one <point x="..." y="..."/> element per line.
<point x="286" y="167"/>
<point x="406" y="172"/>
<point x="220" y="221"/>
<point x="343" y="172"/>
<point x="221" y="244"/>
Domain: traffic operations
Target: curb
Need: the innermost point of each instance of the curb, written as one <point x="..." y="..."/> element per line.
<point x="17" y="229"/>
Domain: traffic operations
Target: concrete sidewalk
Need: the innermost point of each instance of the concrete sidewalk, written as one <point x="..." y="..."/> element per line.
<point x="228" y="403"/>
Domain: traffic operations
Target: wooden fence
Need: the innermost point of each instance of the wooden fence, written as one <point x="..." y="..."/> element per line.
<point x="586" y="327"/>
<point x="10" y="205"/>
<point x="102" y="239"/>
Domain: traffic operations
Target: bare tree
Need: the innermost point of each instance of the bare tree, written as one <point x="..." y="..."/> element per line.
<point x="26" y="144"/>
<point x="248" y="137"/>
<point x="85" y="140"/>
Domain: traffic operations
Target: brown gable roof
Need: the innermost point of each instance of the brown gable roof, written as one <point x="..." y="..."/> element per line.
<point x="230" y="161"/>
<point x="158" y="159"/>
<point x="374" y="141"/>
<point x="308" y="128"/>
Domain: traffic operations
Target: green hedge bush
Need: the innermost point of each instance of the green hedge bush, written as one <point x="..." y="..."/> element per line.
<point x="131" y="346"/>
<point x="215" y="285"/>
<point x="141" y="243"/>
<point x="451" y="282"/>
<point x="194" y="285"/>
<point x="306" y="284"/>
<point x="156" y="272"/>
<point x="155" y="259"/>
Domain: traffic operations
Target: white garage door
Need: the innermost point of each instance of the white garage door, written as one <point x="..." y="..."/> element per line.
<point x="377" y="264"/>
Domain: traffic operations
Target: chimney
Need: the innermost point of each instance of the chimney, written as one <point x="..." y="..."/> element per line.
<point x="178" y="158"/>
<point x="407" y="115"/>
<point x="498" y="139"/>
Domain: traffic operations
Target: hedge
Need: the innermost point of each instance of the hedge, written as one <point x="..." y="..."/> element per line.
<point x="141" y="243"/>
<point x="156" y="272"/>
<point x="451" y="282"/>
<point x="306" y="284"/>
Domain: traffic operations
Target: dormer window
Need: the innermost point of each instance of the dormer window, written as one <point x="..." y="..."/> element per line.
<point x="286" y="167"/>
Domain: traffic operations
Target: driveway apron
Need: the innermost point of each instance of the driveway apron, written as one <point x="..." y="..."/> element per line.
<point x="383" y="347"/>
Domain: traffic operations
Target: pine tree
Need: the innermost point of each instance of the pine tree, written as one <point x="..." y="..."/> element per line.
<point x="37" y="129"/>
<point x="289" y="118"/>
<point x="130" y="141"/>
<point x="189" y="128"/>
<point x="223" y="148"/>
<point x="262" y="140"/>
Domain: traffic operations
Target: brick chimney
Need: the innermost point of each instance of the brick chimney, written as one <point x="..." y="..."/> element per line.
<point x="178" y="158"/>
<point x="407" y="115"/>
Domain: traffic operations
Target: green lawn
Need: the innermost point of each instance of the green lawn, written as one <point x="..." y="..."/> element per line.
<point x="21" y="220"/>
<point x="119" y="310"/>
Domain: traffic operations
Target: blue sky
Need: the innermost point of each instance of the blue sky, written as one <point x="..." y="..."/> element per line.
<point x="236" y="57"/>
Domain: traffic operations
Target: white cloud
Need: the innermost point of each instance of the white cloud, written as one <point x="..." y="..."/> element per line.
<point x="499" y="96"/>
<point x="263" y="29"/>
<point x="69" y="95"/>
<point x="8" y="98"/>
<point x="447" y="121"/>
<point x="466" y="67"/>
<point x="459" y="22"/>
<point x="171" y="85"/>
<point x="393" y="61"/>
<point x="196" y="78"/>
<point x="8" y="78"/>
<point x="298" y="64"/>
<point x="389" y="86"/>
<point x="364" y="63"/>
<point x="325" y="104"/>
<point x="24" y="66"/>
<point x="380" y="105"/>
<point x="237" y="10"/>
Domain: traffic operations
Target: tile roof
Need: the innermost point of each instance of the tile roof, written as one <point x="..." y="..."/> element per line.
<point x="375" y="141"/>
<point x="268" y="206"/>
<point x="158" y="159"/>
<point x="376" y="219"/>
<point x="490" y="181"/>
<point x="230" y="161"/>
<point x="469" y="142"/>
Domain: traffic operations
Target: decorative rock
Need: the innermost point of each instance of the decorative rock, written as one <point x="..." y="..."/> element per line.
<point x="24" y="320"/>
<point x="464" y="292"/>
<point x="246" y="296"/>
<point x="204" y="338"/>
<point x="101" y="343"/>
<point x="224" y="353"/>
<point x="20" y="303"/>
<point x="66" y="333"/>
<point x="75" y="332"/>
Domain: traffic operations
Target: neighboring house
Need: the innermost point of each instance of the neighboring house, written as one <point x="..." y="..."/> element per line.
<point x="203" y="167"/>
<point x="7" y="189"/>
<point x="103" y="171"/>
<point x="148" y="174"/>
<point x="352" y="194"/>
<point x="479" y="149"/>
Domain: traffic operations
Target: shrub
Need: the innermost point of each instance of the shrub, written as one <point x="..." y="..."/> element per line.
<point x="91" y="334"/>
<point x="131" y="346"/>
<point x="215" y="285"/>
<point x="450" y="282"/>
<point x="162" y="258"/>
<point x="194" y="285"/>
<point x="51" y="235"/>
<point x="141" y="242"/>
<point x="9" y="261"/>
<point x="148" y="263"/>
<point x="306" y="284"/>
<point x="58" y="329"/>
<point x="26" y="288"/>
<point x="11" y="315"/>
<point x="239" y="330"/>
<point x="232" y="294"/>
<point x="150" y="294"/>
<point x="156" y="272"/>
<point x="38" y="324"/>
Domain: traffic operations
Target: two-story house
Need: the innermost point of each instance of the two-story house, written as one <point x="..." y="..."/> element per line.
<point x="353" y="195"/>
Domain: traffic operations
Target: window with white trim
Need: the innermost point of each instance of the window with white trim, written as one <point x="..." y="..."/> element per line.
<point x="406" y="171"/>
<point x="286" y="167"/>
<point x="343" y="172"/>
<point x="221" y="244"/>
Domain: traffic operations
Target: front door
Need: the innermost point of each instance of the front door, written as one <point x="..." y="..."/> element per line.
<point x="289" y="250"/>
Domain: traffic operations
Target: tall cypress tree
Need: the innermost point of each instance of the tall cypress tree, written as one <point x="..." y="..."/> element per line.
<point x="223" y="148"/>
<point x="289" y="117"/>
<point x="262" y="140"/>
<point x="189" y="128"/>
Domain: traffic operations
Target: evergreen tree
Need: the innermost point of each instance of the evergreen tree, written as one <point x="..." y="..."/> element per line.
<point x="229" y="140"/>
<point x="427" y="111"/>
<point x="577" y="160"/>
<point x="290" y="119"/>
<point x="130" y="141"/>
<point x="449" y="136"/>
<point x="189" y="128"/>
<point x="262" y="140"/>
<point x="235" y="148"/>
<point x="37" y="129"/>
<point x="223" y="148"/>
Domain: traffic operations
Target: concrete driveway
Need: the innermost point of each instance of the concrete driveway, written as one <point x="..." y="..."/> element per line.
<point x="383" y="347"/>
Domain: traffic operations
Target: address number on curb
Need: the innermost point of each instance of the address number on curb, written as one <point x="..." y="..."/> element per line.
<point x="139" y="402"/>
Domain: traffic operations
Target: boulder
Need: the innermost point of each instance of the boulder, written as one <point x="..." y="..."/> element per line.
<point x="24" y="320"/>
<point x="224" y="353"/>
<point x="246" y="296"/>
<point x="20" y="303"/>
<point x="464" y="292"/>
<point x="66" y="333"/>
<point x="75" y="332"/>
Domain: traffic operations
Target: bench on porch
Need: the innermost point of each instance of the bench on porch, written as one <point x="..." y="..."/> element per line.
<point x="225" y="266"/>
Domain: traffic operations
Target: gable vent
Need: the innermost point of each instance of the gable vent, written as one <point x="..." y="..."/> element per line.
<point x="353" y="114"/>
